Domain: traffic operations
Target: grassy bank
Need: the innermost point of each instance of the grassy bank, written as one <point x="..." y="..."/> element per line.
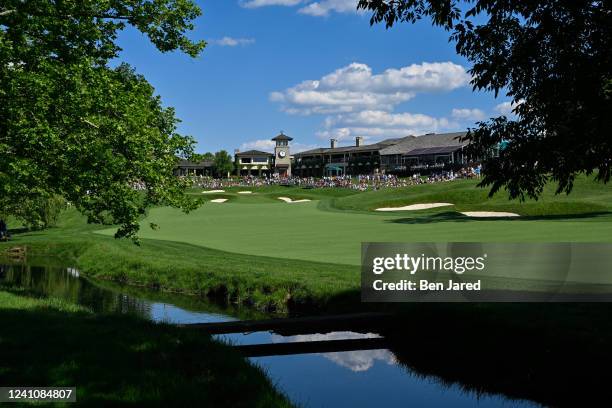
<point x="587" y="198"/>
<point x="264" y="283"/>
<point x="49" y="342"/>
<point x="259" y="251"/>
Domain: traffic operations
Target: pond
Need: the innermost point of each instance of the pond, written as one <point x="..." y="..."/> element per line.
<point x="361" y="378"/>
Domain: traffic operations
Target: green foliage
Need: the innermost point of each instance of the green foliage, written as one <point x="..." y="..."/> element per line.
<point x="224" y="163"/>
<point x="72" y="126"/>
<point x="553" y="59"/>
<point x="197" y="157"/>
<point x="36" y="212"/>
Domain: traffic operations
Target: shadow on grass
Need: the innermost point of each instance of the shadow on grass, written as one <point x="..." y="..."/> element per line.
<point x="17" y="231"/>
<point x="451" y="216"/>
<point x="121" y="360"/>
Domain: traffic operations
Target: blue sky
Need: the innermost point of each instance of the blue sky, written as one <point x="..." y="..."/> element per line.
<point x="315" y="69"/>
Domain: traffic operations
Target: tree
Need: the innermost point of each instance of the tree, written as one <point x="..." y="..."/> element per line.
<point x="197" y="157"/>
<point x="72" y="126"/>
<point x="223" y="163"/>
<point x="552" y="57"/>
<point x="208" y="156"/>
<point x="35" y="212"/>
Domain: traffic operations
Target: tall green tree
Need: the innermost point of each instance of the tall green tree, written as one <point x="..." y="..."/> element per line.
<point x="197" y="157"/>
<point x="208" y="156"/>
<point x="70" y="125"/>
<point x="223" y="163"/>
<point x="554" y="59"/>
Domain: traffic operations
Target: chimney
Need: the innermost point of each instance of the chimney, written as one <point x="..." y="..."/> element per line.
<point x="358" y="141"/>
<point x="334" y="143"/>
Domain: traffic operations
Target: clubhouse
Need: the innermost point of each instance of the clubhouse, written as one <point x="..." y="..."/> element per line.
<point x="426" y="153"/>
<point x="253" y="162"/>
<point x="402" y="156"/>
<point x="189" y="168"/>
<point x="258" y="163"/>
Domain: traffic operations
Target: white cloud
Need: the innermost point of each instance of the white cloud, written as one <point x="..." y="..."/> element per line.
<point x="505" y="108"/>
<point x="320" y="8"/>
<point x="360" y="102"/>
<point x="391" y="120"/>
<point x="265" y="3"/>
<point x="377" y="125"/>
<point x="232" y="42"/>
<point x="356" y="361"/>
<point x="262" y="144"/>
<point x="468" y="114"/>
<point x="355" y="88"/>
<point x="325" y="7"/>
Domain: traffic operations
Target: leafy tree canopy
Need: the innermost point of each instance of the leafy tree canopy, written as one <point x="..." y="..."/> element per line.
<point x="224" y="163"/>
<point x="71" y="125"/>
<point x="197" y="157"/>
<point x="552" y="57"/>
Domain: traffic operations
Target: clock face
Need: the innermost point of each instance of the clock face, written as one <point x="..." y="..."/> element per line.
<point x="282" y="154"/>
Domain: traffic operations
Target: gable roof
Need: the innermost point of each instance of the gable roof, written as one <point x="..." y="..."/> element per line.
<point x="254" y="153"/>
<point x="411" y="143"/>
<point x="203" y="163"/>
<point x="345" y="149"/>
<point x="433" y="150"/>
<point x="282" y="136"/>
<point x="401" y="145"/>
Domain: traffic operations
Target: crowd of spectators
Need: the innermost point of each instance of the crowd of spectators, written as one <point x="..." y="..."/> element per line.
<point x="359" y="182"/>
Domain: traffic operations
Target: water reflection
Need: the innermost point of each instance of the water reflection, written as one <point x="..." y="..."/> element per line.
<point x="64" y="283"/>
<point x="362" y="378"/>
<point x="360" y="360"/>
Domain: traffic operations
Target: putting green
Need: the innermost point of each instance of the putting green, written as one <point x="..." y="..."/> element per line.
<point x="303" y="231"/>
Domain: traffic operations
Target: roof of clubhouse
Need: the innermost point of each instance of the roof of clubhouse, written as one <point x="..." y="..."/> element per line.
<point x="253" y="153"/>
<point x="426" y="144"/>
<point x="202" y="163"/>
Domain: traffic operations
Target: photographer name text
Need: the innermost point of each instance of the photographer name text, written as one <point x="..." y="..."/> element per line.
<point x="424" y="285"/>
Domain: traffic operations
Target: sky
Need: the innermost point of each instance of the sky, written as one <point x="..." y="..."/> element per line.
<point x="313" y="69"/>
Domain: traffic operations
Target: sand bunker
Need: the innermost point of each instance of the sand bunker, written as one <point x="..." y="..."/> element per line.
<point x="213" y="191"/>
<point x="489" y="214"/>
<point x="415" y="207"/>
<point x="290" y="201"/>
<point x="218" y="200"/>
<point x="245" y="192"/>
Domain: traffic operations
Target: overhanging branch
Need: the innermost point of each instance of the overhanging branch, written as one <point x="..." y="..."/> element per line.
<point x="38" y="14"/>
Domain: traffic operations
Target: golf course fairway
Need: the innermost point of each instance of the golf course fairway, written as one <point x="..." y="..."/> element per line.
<point x="316" y="231"/>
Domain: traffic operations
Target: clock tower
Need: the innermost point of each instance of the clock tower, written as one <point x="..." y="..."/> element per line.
<point x="282" y="156"/>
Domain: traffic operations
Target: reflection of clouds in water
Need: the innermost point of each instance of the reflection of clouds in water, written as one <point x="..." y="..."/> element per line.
<point x="359" y="360"/>
<point x="74" y="272"/>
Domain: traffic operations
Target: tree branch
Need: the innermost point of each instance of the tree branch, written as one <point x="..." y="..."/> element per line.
<point x="90" y="123"/>
<point x="102" y="15"/>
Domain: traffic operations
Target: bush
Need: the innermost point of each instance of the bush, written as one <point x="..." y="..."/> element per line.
<point x="36" y="212"/>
